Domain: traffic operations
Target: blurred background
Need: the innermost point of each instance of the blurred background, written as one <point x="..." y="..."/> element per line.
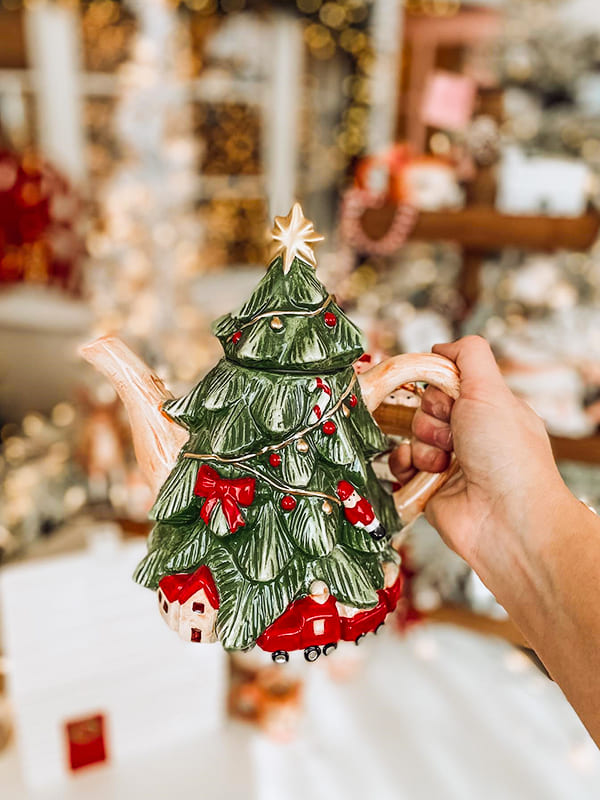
<point x="450" y="152"/>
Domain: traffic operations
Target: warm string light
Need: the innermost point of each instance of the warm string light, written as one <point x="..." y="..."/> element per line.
<point x="332" y="28"/>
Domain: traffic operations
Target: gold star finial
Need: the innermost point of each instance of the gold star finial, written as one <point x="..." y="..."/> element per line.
<point x="293" y="236"/>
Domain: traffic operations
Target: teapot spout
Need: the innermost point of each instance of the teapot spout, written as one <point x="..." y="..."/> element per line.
<point x="157" y="440"/>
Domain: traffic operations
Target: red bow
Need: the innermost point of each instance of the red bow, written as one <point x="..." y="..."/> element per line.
<point x="230" y="493"/>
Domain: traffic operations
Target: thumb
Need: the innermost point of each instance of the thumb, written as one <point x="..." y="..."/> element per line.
<point x="475" y="361"/>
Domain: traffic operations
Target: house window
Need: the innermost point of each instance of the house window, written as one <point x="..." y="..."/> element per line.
<point x="160" y="596"/>
<point x="196" y="635"/>
<point x="198" y="608"/>
<point x="165" y="607"/>
<point x="319" y="627"/>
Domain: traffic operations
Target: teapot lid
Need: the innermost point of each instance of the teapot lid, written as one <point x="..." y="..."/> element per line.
<point x="290" y="323"/>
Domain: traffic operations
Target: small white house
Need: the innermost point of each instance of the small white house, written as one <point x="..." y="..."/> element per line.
<point x="189" y="604"/>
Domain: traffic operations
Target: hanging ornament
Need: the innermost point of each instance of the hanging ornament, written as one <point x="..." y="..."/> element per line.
<point x="275" y="460"/>
<point x="358" y="511"/>
<point x="327" y="507"/>
<point x="355" y="203"/>
<point x="236" y="337"/>
<point x="288" y="503"/>
<point x="329" y="427"/>
<point x="330" y="319"/>
<point x="302" y="446"/>
<point x="352" y="401"/>
<point x="276" y="324"/>
<point x="345" y="411"/>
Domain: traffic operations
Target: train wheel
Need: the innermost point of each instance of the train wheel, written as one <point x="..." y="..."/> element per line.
<point x="281" y="656"/>
<point x="359" y="638"/>
<point x="329" y="648"/>
<point x="312" y="653"/>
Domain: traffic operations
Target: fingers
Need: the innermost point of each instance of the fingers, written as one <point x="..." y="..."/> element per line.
<point x="400" y="463"/>
<point x="407" y="459"/>
<point x="437" y="404"/>
<point x="432" y="436"/>
<point x="429" y="458"/>
<point x="475" y="360"/>
<point x="432" y="431"/>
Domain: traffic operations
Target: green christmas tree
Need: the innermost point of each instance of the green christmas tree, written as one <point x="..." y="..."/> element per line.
<point x="274" y="428"/>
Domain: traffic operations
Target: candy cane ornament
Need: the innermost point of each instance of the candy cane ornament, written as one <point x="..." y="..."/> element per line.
<point x="323" y="400"/>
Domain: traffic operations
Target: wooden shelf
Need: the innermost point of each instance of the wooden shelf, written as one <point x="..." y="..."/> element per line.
<point x="396" y="421"/>
<point x="482" y="228"/>
<point x="465" y="618"/>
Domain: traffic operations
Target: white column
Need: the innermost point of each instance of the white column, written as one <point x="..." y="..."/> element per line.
<point x="52" y="32"/>
<point x="282" y="114"/>
<point x="386" y="35"/>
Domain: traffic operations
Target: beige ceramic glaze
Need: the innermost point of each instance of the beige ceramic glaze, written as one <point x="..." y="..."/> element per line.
<point x="379" y="382"/>
<point x="156" y="439"/>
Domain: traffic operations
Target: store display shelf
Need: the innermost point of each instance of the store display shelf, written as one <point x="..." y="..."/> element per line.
<point x="470" y="620"/>
<point x="396" y="419"/>
<point x="483" y="228"/>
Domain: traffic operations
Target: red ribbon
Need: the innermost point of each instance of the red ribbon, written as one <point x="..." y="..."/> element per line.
<point x="230" y="493"/>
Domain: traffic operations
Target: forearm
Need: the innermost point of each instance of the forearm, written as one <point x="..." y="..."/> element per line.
<point x="549" y="583"/>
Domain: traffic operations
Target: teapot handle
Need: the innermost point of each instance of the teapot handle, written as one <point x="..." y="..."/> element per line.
<point x="379" y="382"/>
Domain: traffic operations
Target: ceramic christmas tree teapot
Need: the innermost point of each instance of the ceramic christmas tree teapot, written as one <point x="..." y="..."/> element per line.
<point x="271" y="527"/>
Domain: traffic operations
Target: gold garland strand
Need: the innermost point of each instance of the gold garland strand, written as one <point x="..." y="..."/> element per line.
<point x="267" y="314"/>
<point x="267" y="448"/>
<point x="287" y="489"/>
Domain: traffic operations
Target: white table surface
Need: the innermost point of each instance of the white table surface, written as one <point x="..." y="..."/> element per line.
<point x="441" y="715"/>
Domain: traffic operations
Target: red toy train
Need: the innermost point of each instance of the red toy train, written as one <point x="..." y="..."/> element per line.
<point x="316" y="623"/>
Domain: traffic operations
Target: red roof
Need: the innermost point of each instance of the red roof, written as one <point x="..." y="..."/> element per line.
<point x="201" y="579"/>
<point x="171" y="585"/>
<point x="182" y="586"/>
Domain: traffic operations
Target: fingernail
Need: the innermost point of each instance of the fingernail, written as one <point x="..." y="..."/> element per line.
<point x="443" y="438"/>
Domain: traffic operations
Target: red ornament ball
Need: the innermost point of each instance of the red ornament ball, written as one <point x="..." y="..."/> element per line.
<point x="352" y="400"/>
<point x="274" y="459"/>
<point x="288" y="503"/>
<point x="330" y="319"/>
<point x="236" y="337"/>
<point x="329" y="427"/>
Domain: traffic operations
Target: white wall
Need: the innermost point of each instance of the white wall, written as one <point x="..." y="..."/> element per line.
<point x="583" y="12"/>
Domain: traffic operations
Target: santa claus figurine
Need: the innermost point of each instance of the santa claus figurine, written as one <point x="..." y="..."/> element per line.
<point x="358" y="511"/>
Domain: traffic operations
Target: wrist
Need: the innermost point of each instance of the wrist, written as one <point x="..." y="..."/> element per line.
<point x="517" y="539"/>
<point x="535" y="550"/>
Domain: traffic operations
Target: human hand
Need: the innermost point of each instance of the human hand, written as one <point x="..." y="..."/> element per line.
<point x="508" y="480"/>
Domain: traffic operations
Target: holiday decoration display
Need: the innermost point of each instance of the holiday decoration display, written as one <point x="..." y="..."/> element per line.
<point x="271" y="527"/>
<point x="41" y="239"/>
<point x="540" y="314"/>
<point x="548" y="67"/>
<point x="398" y="177"/>
<point x="146" y="242"/>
